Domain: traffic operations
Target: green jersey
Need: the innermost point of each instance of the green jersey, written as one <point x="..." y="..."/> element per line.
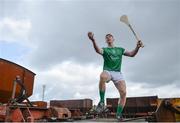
<point x="112" y="58"/>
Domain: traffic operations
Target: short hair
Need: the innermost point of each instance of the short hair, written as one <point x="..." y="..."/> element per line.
<point x="109" y="34"/>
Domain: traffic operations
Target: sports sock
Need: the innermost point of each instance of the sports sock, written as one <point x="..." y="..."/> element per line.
<point x="101" y="93"/>
<point x="119" y="110"/>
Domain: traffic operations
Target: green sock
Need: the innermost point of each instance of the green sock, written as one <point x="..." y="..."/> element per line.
<point x="119" y="110"/>
<point x="102" y="93"/>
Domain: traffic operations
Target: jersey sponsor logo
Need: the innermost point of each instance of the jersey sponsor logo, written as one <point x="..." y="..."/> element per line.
<point x="113" y="57"/>
<point x="113" y="51"/>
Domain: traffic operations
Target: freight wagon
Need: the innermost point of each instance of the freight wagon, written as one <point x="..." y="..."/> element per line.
<point x="83" y="104"/>
<point x="151" y="108"/>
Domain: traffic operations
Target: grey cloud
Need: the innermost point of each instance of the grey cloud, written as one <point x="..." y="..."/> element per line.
<point x="58" y="89"/>
<point x="13" y="9"/>
<point x="59" y="31"/>
<point x="60" y="28"/>
<point x="160" y="66"/>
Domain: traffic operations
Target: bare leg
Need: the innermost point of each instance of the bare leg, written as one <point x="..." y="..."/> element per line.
<point x="121" y="86"/>
<point x="102" y="84"/>
<point x="102" y="88"/>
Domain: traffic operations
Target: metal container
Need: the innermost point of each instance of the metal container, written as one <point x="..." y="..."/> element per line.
<point x="135" y="105"/>
<point x="40" y="104"/>
<point x="151" y="108"/>
<point x="8" y="73"/>
<point x="168" y="110"/>
<point x="83" y="104"/>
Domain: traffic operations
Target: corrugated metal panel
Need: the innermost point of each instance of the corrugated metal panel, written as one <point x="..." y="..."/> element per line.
<point x="82" y="104"/>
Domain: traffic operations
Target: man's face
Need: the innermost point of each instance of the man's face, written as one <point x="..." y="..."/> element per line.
<point x="109" y="39"/>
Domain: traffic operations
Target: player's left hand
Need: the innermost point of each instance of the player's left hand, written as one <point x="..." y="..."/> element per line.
<point x="139" y="44"/>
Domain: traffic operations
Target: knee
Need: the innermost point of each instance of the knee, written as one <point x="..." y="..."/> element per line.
<point x="123" y="94"/>
<point x="103" y="77"/>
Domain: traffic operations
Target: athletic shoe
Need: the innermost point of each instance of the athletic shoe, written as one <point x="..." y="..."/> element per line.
<point x="119" y="118"/>
<point x="100" y="108"/>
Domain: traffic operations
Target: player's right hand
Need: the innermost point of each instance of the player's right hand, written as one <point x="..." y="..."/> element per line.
<point x="91" y="36"/>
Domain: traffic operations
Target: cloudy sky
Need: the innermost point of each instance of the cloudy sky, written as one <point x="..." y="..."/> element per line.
<point x="49" y="37"/>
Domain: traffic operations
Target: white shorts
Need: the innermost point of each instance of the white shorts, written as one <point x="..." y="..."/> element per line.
<point x="114" y="76"/>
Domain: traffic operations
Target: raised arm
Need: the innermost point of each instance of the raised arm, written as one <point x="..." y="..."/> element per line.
<point x="135" y="51"/>
<point x="91" y="37"/>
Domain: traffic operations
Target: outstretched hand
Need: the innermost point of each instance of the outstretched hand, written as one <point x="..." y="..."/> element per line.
<point x="91" y="36"/>
<point x="139" y="44"/>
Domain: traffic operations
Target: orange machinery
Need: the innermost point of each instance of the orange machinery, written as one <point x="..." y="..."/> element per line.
<point x="16" y="85"/>
<point x="8" y="73"/>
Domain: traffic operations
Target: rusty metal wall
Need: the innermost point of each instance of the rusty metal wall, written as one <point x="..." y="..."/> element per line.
<point x="163" y="114"/>
<point x="40" y="104"/>
<point x="176" y="102"/>
<point x="83" y="104"/>
<point x="168" y="110"/>
<point x="135" y="105"/>
<point x="8" y="72"/>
